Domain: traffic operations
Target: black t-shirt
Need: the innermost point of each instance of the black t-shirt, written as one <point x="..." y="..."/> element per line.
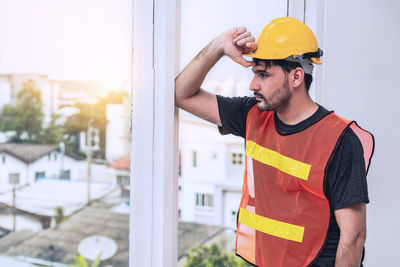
<point x="345" y="182"/>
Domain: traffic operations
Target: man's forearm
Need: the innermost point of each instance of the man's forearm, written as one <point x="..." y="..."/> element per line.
<point x="188" y="95"/>
<point x="190" y="79"/>
<point x="349" y="253"/>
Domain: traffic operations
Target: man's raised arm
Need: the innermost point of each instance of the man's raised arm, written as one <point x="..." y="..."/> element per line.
<point x="188" y="94"/>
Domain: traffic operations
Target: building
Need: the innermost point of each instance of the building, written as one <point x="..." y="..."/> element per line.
<point x="120" y="170"/>
<point x="37" y="204"/>
<point x="24" y="164"/>
<point x="118" y="130"/>
<point x="210" y="173"/>
<point x="60" y="244"/>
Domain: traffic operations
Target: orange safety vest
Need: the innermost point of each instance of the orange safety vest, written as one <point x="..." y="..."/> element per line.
<point x="284" y="214"/>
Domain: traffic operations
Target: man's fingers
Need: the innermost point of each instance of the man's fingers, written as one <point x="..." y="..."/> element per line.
<point x="241" y="36"/>
<point x="238" y="31"/>
<point x="246" y="40"/>
<point x="243" y="62"/>
<point x="251" y="46"/>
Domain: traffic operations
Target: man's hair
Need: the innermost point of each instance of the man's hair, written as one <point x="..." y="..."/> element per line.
<point x="286" y="66"/>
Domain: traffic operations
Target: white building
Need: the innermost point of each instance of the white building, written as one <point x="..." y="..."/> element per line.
<point x="117" y="132"/>
<point x="26" y="163"/>
<point x="210" y="173"/>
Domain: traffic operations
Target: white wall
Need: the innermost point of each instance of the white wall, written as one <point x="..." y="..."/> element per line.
<point x="52" y="166"/>
<point x="231" y="204"/>
<point x="196" y="135"/>
<point x="213" y="174"/>
<point x="360" y="83"/>
<point x="11" y="165"/>
<point x="116" y="133"/>
<point x="99" y="172"/>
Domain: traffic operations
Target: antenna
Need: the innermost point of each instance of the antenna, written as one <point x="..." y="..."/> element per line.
<point x="91" y="246"/>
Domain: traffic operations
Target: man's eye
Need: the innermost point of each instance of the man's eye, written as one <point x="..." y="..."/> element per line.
<point x="263" y="74"/>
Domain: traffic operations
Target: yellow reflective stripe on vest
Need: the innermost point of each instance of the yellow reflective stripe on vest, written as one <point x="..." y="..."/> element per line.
<point x="272" y="158"/>
<point x="271" y="227"/>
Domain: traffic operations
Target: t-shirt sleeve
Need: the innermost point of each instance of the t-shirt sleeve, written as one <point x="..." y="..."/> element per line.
<point x="233" y="113"/>
<point x="346" y="175"/>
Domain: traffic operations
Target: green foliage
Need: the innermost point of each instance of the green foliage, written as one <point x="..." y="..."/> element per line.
<point x="80" y="261"/>
<point x="59" y="217"/>
<point x="26" y="116"/>
<point x="202" y="256"/>
<point x="96" y="113"/>
<point x="54" y="133"/>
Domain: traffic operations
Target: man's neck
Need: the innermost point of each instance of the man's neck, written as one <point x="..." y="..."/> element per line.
<point x="298" y="110"/>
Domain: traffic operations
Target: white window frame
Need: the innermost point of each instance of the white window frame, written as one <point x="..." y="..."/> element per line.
<point x="312" y="12"/>
<point x="207" y="197"/>
<point x="234" y="156"/>
<point x="154" y="164"/>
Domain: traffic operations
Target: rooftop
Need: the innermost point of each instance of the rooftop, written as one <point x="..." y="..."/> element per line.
<point x="61" y="244"/>
<point x="27" y="153"/>
<point x="123" y="163"/>
<point x="97" y="219"/>
<point x="45" y="195"/>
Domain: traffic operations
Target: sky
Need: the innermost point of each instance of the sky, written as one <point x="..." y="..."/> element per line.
<point x="67" y="39"/>
<point x="92" y="39"/>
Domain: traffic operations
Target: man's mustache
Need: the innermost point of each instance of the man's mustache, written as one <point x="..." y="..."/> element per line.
<point x="258" y="94"/>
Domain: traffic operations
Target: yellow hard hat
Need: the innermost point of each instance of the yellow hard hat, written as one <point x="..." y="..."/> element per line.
<point x="287" y="37"/>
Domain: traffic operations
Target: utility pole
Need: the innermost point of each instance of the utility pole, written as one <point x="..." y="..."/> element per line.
<point x="14" y="180"/>
<point x="89" y="158"/>
<point x="14" y="209"/>
<point x="62" y="150"/>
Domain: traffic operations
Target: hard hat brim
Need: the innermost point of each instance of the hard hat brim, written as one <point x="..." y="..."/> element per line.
<point x="315" y="60"/>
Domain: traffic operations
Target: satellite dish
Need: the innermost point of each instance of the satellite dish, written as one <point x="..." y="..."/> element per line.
<point x="91" y="246"/>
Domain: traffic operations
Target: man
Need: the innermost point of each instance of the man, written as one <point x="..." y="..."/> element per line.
<point x="304" y="190"/>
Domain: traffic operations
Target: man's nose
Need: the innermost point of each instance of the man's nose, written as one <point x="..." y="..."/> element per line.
<point x="254" y="84"/>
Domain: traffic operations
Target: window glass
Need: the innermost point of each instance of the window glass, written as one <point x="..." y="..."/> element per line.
<point x="13" y="178"/>
<point x="39" y="175"/>
<point x="194" y="158"/>
<point x="210" y="193"/>
<point x="65" y="129"/>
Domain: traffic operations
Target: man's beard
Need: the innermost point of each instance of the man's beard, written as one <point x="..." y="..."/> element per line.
<point x="278" y="101"/>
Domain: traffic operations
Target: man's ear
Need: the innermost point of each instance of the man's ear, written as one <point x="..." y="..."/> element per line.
<point x="297" y="77"/>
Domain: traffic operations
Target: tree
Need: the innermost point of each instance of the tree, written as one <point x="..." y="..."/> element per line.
<point x="26" y="117"/>
<point x="212" y="256"/>
<point x="96" y="113"/>
<point x="54" y="133"/>
<point x="79" y="122"/>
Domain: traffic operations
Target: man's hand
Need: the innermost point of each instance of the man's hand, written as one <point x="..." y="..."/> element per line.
<point x="352" y="224"/>
<point x="236" y="42"/>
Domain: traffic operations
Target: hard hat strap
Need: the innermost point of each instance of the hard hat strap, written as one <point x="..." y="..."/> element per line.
<point x="316" y="54"/>
<point x="305" y="63"/>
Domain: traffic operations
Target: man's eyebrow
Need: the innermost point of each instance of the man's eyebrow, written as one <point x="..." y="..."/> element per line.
<point x="260" y="70"/>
